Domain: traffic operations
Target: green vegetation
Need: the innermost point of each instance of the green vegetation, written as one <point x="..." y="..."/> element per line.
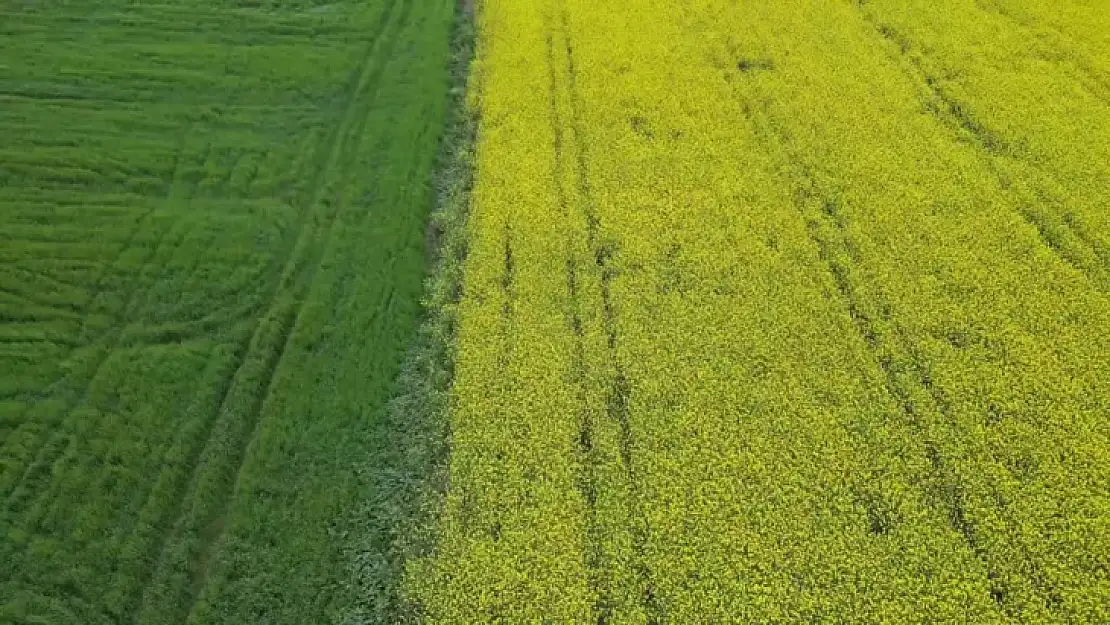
<point x="408" y="469"/>
<point x="212" y="222"/>
<point x="728" y="311"/>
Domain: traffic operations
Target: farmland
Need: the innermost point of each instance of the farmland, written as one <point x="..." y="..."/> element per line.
<point x="211" y="254"/>
<point x="555" y="311"/>
<point x="782" y="312"/>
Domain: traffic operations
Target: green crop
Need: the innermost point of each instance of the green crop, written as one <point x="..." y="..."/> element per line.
<point x="211" y="252"/>
<point x="740" y="312"/>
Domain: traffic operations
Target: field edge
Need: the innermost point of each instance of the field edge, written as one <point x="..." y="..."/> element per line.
<point x="409" y="476"/>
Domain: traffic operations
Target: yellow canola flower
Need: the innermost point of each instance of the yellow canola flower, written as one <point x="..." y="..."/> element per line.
<point x="754" y="331"/>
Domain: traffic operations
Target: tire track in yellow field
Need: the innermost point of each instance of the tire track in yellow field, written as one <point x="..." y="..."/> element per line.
<point x="603" y="386"/>
<point x="907" y="378"/>
<point x="924" y="405"/>
<point x="1055" y="38"/>
<point x="577" y="270"/>
<point x="1058" y="233"/>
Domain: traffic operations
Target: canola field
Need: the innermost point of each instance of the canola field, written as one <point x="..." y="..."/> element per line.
<point x="782" y="312"/>
<point x="732" y="311"/>
<point x="211" y="254"/>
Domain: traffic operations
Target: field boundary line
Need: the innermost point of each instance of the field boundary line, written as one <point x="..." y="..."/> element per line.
<point x="368" y="77"/>
<point x="408" y="472"/>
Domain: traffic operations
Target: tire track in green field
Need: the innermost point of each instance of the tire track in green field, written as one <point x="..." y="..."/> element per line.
<point x="112" y="340"/>
<point x="27" y="292"/>
<point x="187" y="552"/>
<point x="60" y="444"/>
<point x="63" y="602"/>
<point x="1060" y="235"/>
<point x="104" y="351"/>
<point x="105" y="269"/>
<point x="126" y="314"/>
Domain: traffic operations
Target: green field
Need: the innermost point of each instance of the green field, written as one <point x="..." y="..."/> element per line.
<point x="555" y="311"/>
<point x="211" y="252"/>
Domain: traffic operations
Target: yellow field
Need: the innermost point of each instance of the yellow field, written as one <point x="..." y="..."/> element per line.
<point x="783" y="312"/>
